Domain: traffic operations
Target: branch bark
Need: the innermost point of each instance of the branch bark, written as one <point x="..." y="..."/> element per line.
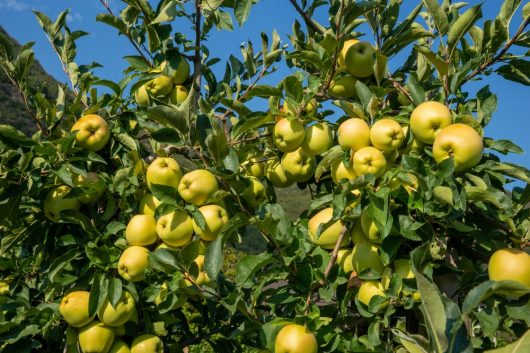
<point x="309" y="22"/>
<point x="400" y="88"/>
<point x="197" y="68"/>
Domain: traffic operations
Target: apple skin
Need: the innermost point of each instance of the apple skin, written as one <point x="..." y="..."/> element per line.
<point x="141" y="96"/>
<point x="294" y="338"/>
<point x="318" y="139"/>
<point x="92" y="132"/>
<point x="4" y="288"/>
<point x="428" y="119"/>
<point x="369" y="160"/>
<point x="178" y="94"/>
<point x="343" y="84"/>
<point x="365" y="256"/>
<point x="94" y="185"/>
<point x="329" y="236"/>
<point x="369" y="228"/>
<point x="370" y="289"/>
<point x="357" y="233"/>
<point x="461" y="142"/>
<point x="299" y="165"/>
<point x="344" y="259"/>
<point x="141" y="230"/>
<point x="160" y="86"/>
<point x="510" y="264"/>
<point x="215" y="218"/>
<point x="149" y="204"/>
<point x="360" y="59"/>
<point x="288" y="134"/>
<point x="386" y="135"/>
<point x="339" y="171"/>
<point x="197" y="186"/>
<point x="255" y="194"/>
<point x="119" y="347"/>
<point x="119" y="315"/>
<point x="96" y="337"/>
<point x="276" y="175"/>
<point x="164" y="171"/>
<point x="202" y="278"/>
<point x="354" y="134"/>
<point x="182" y="72"/>
<point x="256" y="168"/>
<point x="57" y="201"/>
<point x="342" y="55"/>
<point x="74" y="308"/>
<point x="175" y="228"/>
<point x="132" y="263"/>
<point x="404" y="270"/>
<point x="147" y="344"/>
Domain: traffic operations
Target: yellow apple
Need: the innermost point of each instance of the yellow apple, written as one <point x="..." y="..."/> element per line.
<point x="343" y="85"/>
<point x="318" y="139"/>
<point x="147" y="344"/>
<point x="329" y="236"/>
<point x="462" y="143"/>
<point x="132" y="263"/>
<point x="256" y="167"/>
<point x="360" y="59"/>
<point x="295" y="339"/>
<point x="215" y="218"/>
<point x="197" y="186"/>
<point x="160" y="86"/>
<point x="94" y="187"/>
<point x="369" y="228"/>
<point x="4" y="288"/>
<point x="357" y="233"/>
<point x="57" y="201"/>
<point x="255" y="194"/>
<point x="369" y="160"/>
<point x="182" y="72"/>
<point x="354" y="134"/>
<point x="142" y="97"/>
<point x="370" y="289"/>
<point x="288" y="134"/>
<point x="164" y="171"/>
<point x="428" y="119"/>
<point x="175" y="228"/>
<point x="96" y="337"/>
<point x="120" y="314"/>
<point x="386" y="135"/>
<point x="310" y="108"/>
<point x="74" y="308"/>
<point x="365" y="256"/>
<point x="149" y="204"/>
<point x="339" y="171"/>
<point x="342" y="55"/>
<point x="141" y="230"/>
<point x="92" y="132"/>
<point x="119" y="347"/>
<point x="344" y="259"/>
<point x="404" y="270"/>
<point x="276" y="175"/>
<point x="298" y="165"/>
<point x="510" y="264"/>
<point x="178" y="94"/>
<point x="202" y="278"/>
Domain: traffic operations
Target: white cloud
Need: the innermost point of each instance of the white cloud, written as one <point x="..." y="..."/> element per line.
<point x="74" y="17"/>
<point x="13" y="5"/>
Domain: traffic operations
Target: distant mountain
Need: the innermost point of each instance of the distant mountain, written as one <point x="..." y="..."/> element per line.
<point x="12" y="108"/>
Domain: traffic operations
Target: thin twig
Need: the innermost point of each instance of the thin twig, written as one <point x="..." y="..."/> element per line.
<point x="197" y="69"/>
<point x="249" y="139"/>
<point x="338" y="34"/>
<point x="399" y="87"/>
<point x="309" y="22"/>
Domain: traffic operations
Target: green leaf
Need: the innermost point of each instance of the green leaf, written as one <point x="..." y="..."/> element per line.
<point x="461" y="26"/>
<point x="518" y="70"/>
<point x="242" y="10"/>
<point x="364" y="94"/>
<point x="443" y="194"/>
<point x="249" y="265"/>
<point x="213" y="261"/>
<point x="438" y="15"/>
<point x="167" y="135"/>
<point x="166" y="13"/>
<point x="112" y="21"/>
<point x="264" y="91"/>
<point x="416" y="90"/>
<point x="486" y="289"/>
<point x="526" y="11"/>
<point x="127" y="141"/>
<point x="251" y="122"/>
<point x="163" y="260"/>
<point x="409" y="342"/>
<point x="522" y="345"/>
<point x="506" y="13"/>
<point x="169" y="117"/>
<point x="503" y="146"/>
<point x="98" y="293"/>
<point x="441" y="65"/>
<point x="115" y="291"/>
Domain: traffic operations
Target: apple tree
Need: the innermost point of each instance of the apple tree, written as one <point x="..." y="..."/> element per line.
<point x="120" y="215"/>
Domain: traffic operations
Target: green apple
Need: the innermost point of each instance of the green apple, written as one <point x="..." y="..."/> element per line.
<point x="160" y="86"/>
<point x="369" y="160"/>
<point x="354" y="134"/>
<point x="149" y="204"/>
<point x="344" y="259"/>
<point x="119" y="314"/>
<point x="357" y="233"/>
<point x="365" y="255"/>
<point x="215" y="218"/>
<point x="339" y="171"/>
<point x="132" y="263"/>
<point x="197" y="186"/>
<point x="175" y="228"/>
<point x="276" y="175"/>
<point x="386" y="135"/>
<point x="96" y="337"/>
<point x="119" y="347"/>
<point x="510" y="264"/>
<point x="141" y="230"/>
<point x="295" y="339"/>
<point x="164" y="171"/>
<point x="202" y="278"/>
<point x="288" y="134"/>
<point x="147" y="344"/>
<point x="181" y="74"/>
<point x="299" y="165"/>
<point x="370" y="289"/>
<point x="178" y="94"/>
<point x="318" y="139"/>
<point x="428" y="119"/>
<point x="142" y="97"/>
<point x="342" y="55"/>
<point x="360" y="59"/>
<point x="329" y="236"/>
<point x="369" y="228"/>
<point x="92" y="132"/>
<point x="94" y="187"/>
<point x="462" y="143"/>
<point x="256" y="167"/>
<point x="57" y="201"/>
<point x="255" y="194"/>
<point x="343" y="84"/>
<point x="74" y="308"/>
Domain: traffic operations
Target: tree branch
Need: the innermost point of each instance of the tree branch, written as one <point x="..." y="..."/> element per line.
<point x="338" y="36"/>
<point x="400" y="88"/>
<point x="309" y="22"/>
<point x="197" y="69"/>
<point x="250" y="139"/>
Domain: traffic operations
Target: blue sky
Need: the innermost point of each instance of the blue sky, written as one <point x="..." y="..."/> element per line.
<point x="103" y="45"/>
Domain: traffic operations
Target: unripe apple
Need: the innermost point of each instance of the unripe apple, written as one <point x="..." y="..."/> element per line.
<point x="93" y="184"/>
<point x="148" y="204"/>
<point x="74" y="308"/>
<point x="120" y="314"/>
<point x="369" y="228"/>
<point x="369" y="160"/>
<point x="299" y="165"/>
<point x="160" y="86"/>
<point x="360" y="59"/>
<point x="329" y="236"/>
<point x="175" y="228"/>
<point x="342" y="55"/>
<point x="386" y="135"/>
<point x="142" y="97"/>
<point x="510" y="264"/>
<point x="288" y="134"/>
<point x="215" y="218"/>
<point x="164" y="171"/>
<point x="357" y="233"/>
<point x="318" y="139"/>
<point x="368" y="290"/>
<point x="92" y="132"/>
<point x="365" y="255"/>
<point x="344" y="259"/>
<point x="182" y="72"/>
<point x="310" y="108"/>
<point x="132" y="263"/>
<point x="461" y="142"/>
<point x="255" y="194"/>
<point x="256" y="167"/>
<point x="119" y="347"/>
<point x="96" y="337"/>
<point x="202" y="278"/>
<point x="428" y="119"/>
<point x="276" y="175"/>
<point x="141" y="230"/>
<point x="343" y="84"/>
<point x="197" y="186"/>
<point x="147" y="344"/>
<point x="178" y="94"/>
<point x="354" y="134"/>
<point x="295" y="339"/>
<point x="57" y="201"/>
<point x="339" y="171"/>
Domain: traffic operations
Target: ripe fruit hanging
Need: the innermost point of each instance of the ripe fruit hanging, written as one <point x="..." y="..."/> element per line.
<point x="428" y="119"/>
<point x="92" y="132"/>
<point x="462" y="143"/>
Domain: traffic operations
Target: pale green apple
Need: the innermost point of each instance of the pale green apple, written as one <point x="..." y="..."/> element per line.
<point x="365" y="256"/>
<point x="142" y="97"/>
<point x="428" y="119"/>
<point x="345" y="46"/>
<point x="360" y="59"/>
<point x="147" y="344"/>
<point x="159" y="86"/>
<point x="369" y="227"/>
<point x="178" y="94"/>
<point x="510" y="265"/>
<point x="255" y="194"/>
<point x="318" y="139"/>
<point x="141" y="230"/>
<point x="339" y="171"/>
<point x="462" y="143"/>
<point x="276" y="174"/>
<point x="215" y="218"/>
<point x="74" y="308"/>
<point x="343" y="84"/>
<point x="175" y="228"/>
<point x="298" y="165"/>
<point x="57" y="201"/>
<point x="133" y="262"/>
<point x="164" y="171"/>
<point x="197" y="186"/>
<point x="330" y="235"/>
<point x="92" y="132"/>
<point x="119" y="314"/>
<point x="288" y="134"/>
